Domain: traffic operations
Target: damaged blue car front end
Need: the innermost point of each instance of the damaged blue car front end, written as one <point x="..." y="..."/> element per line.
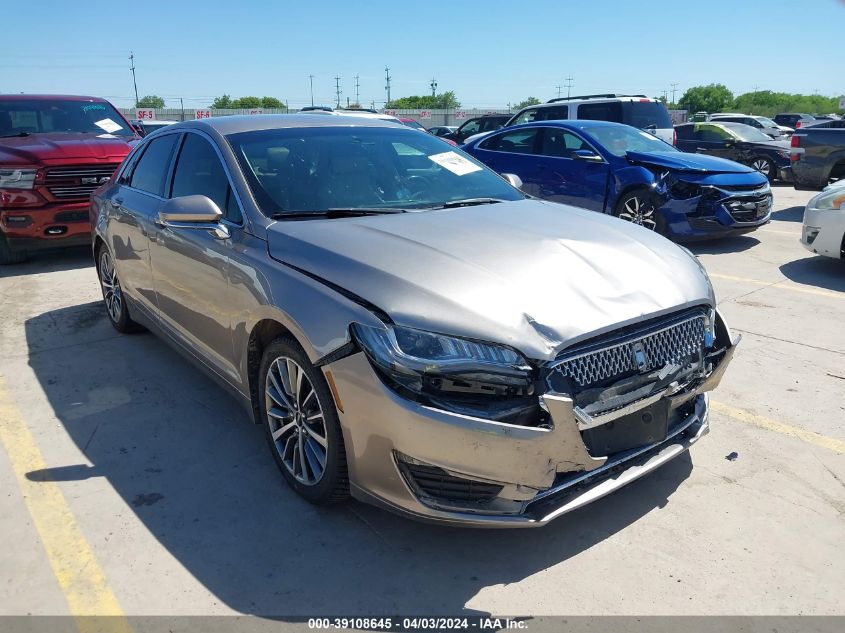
<point x="699" y="197"/>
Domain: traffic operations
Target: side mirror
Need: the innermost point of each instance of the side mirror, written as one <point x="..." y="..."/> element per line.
<point x="193" y="212"/>
<point x="513" y="180"/>
<point x="587" y="154"/>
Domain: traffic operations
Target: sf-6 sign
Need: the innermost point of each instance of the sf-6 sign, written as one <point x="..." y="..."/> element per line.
<point x="202" y="114"/>
<point x="145" y="114"/>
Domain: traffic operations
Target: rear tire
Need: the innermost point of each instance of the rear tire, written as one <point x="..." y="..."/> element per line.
<point x="8" y="256"/>
<point x="113" y="296"/>
<point x="301" y="425"/>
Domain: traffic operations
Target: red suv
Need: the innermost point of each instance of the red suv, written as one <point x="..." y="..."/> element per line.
<point x="54" y="151"/>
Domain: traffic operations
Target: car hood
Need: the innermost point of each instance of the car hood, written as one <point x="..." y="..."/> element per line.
<point x="772" y="145"/>
<point x="535" y="275"/>
<point x="50" y="149"/>
<point x="683" y="161"/>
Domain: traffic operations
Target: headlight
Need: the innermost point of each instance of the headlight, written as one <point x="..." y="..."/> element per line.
<point x="456" y="374"/>
<point x="833" y="199"/>
<point x="17" y="178"/>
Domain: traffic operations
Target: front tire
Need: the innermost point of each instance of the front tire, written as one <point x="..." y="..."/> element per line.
<point x="113" y="294"/>
<point x="301" y="424"/>
<point x="639" y="207"/>
<point x="765" y="166"/>
<point x="8" y="256"/>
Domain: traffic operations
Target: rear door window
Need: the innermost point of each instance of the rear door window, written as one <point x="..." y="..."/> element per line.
<point x="645" y="114"/>
<point x="471" y="127"/>
<point x="151" y="171"/>
<point x="560" y="143"/>
<point x="607" y="111"/>
<point x="684" y="132"/>
<point x="527" y="116"/>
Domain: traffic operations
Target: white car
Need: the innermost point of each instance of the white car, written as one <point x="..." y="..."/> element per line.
<point x="823" y="232"/>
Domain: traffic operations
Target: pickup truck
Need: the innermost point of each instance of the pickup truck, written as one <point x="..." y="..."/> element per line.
<point x="54" y="151"/>
<point x="821" y="159"/>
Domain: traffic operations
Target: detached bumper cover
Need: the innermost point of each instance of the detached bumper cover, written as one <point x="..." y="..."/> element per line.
<point x="536" y="474"/>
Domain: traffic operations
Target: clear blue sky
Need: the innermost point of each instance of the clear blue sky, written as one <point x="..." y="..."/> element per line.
<point x="490" y="53"/>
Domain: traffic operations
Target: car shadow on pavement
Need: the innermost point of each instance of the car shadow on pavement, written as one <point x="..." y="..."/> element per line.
<point x="51" y="261"/>
<point x="185" y="458"/>
<point x="790" y="214"/>
<point x="823" y="272"/>
<point x="735" y="244"/>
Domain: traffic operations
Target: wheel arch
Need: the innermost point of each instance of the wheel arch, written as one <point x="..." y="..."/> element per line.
<point x="264" y="332"/>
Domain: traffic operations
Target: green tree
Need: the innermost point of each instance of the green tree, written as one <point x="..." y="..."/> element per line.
<point x="530" y="101"/>
<point x="150" y="101"/>
<point x="246" y="102"/>
<point x="426" y="102"/>
<point x="710" y="98"/>
<point x="769" y="103"/>
<point x="272" y="102"/>
<point x="221" y="103"/>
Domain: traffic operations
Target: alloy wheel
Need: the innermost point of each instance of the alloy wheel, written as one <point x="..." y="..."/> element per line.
<point x="112" y="293"/>
<point x="297" y="424"/>
<point x="640" y="212"/>
<point x="762" y="165"/>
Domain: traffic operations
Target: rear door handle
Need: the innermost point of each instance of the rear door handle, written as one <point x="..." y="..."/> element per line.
<point x="116" y="202"/>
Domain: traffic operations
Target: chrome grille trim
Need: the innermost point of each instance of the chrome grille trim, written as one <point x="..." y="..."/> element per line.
<point x="669" y="343"/>
<point x="65" y="183"/>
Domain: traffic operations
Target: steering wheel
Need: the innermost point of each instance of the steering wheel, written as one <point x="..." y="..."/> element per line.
<point x="417" y="185"/>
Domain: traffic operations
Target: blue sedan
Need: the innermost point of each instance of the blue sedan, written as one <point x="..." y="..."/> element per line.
<point x="620" y="170"/>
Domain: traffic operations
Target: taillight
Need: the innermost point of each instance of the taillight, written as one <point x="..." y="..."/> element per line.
<point x="797" y="124"/>
<point x="674" y="137"/>
<point x="795" y="141"/>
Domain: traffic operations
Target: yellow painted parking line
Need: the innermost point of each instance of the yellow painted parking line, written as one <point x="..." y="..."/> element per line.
<point x="811" y="437"/>
<point x="74" y="564"/>
<point x="780" y="285"/>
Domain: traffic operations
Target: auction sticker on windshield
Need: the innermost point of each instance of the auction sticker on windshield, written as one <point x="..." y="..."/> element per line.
<point x="108" y="125"/>
<point x="455" y="163"/>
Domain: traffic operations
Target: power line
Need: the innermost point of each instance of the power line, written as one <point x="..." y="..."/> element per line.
<point x="559" y="88"/>
<point x="674" y="85"/>
<point x="568" y="86"/>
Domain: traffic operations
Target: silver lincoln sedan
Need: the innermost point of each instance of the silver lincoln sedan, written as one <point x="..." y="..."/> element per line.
<point x="406" y="325"/>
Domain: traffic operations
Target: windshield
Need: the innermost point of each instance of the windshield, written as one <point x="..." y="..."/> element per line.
<point x="619" y="139"/>
<point x="40" y="116"/>
<point x="296" y="170"/>
<point x="766" y="121"/>
<point x="646" y="114"/>
<point x="414" y="125"/>
<point x="746" y="132"/>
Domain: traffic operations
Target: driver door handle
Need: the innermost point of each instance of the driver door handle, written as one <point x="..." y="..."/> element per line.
<point x="116" y="202"/>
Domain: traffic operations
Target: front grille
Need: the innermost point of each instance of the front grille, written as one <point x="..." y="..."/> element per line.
<point x="77" y="182"/>
<point x="436" y="483"/>
<point x="673" y="343"/>
<point x="748" y="209"/>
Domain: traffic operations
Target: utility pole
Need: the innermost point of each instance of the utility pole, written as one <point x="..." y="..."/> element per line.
<point x="559" y="88"/>
<point x="311" y="79"/>
<point x="568" y="86"/>
<point x="674" y="89"/>
<point x="337" y="89"/>
<point x="132" y="68"/>
<point x="433" y="85"/>
<point x="357" y="91"/>
<point x="665" y="95"/>
<point x="387" y="79"/>
<point x="182" y="108"/>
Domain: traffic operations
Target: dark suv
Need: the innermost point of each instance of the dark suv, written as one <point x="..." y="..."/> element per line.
<point x="54" y="151"/>
<point x="477" y="125"/>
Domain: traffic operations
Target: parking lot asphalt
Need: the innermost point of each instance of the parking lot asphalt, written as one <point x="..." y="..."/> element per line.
<point x="132" y="484"/>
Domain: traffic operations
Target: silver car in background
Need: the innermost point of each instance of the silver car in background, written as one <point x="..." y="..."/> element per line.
<point x="408" y="327"/>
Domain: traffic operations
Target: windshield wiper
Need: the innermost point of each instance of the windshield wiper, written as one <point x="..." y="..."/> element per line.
<point x="337" y="213"/>
<point x="468" y="202"/>
<point x="14" y="135"/>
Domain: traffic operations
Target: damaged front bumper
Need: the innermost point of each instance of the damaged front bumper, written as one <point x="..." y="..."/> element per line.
<point x="445" y="467"/>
